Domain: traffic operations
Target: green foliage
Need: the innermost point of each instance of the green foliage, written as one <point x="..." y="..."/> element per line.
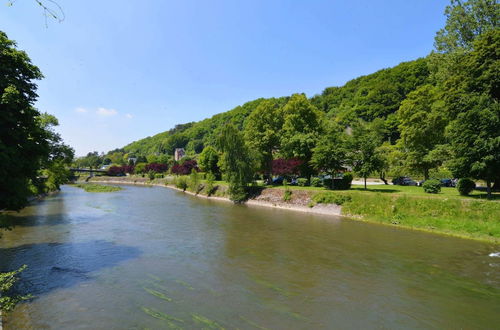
<point x="151" y="175"/>
<point x="181" y="183"/>
<point x="331" y="198"/>
<point x="194" y="182"/>
<point x="302" y="182"/>
<point x="208" y="160"/>
<point x="302" y="126"/>
<point x="8" y="300"/>
<point x="423" y="120"/>
<point x="363" y="154"/>
<point x="466" y="20"/>
<point x="27" y="141"/>
<point x="287" y="195"/>
<point x="140" y="168"/>
<point x="316" y="182"/>
<point x="93" y="187"/>
<point x="329" y="155"/>
<point x="465" y="186"/>
<point x="236" y="164"/>
<point x="432" y="186"/>
<point x="262" y="131"/>
<point x="209" y="185"/>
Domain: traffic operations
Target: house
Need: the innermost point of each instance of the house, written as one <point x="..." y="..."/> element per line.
<point x="179" y="153"/>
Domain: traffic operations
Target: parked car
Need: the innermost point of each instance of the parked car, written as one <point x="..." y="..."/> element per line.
<point x="278" y="180"/>
<point x="448" y="182"/>
<point x="404" y="181"/>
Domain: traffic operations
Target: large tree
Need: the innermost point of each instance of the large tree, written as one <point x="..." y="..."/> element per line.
<point x="302" y="128"/>
<point x="364" y="155"/>
<point x="23" y="143"/>
<point x="330" y="153"/>
<point x="262" y="132"/>
<point x="236" y="162"/>
<point x="422" y="117"/>
<point x="208" y="161"/>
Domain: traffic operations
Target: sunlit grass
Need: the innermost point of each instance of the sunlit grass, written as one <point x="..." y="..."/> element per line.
<point x="93" y="187"/>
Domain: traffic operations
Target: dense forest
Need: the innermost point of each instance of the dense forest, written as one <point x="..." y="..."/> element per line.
<point x="436" y="116"/>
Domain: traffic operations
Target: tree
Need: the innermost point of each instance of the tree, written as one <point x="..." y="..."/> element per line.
<point x="262" y="132"/>
<point x="422" y="118"/>
<point x="208" y="161"/>
<point x="236" y="162"/>
<point x="465" y="21"/>
<point x="302" y="128"/>
<point x="329" y="155"/>
<point x="475" y="140"/>
<point x="363" y="154"/>
<point x="286" y="167"/>
<point x="23" y="143"/>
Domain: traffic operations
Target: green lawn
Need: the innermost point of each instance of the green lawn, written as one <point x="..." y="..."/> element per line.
<point x="407" y="190"/>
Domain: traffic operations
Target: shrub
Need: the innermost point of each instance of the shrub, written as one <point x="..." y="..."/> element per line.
<point x="316" y="182"/>
<point x="181" y="183"/>
<point x="151" y="175"/>
<point x="465" y="186"/>
<point x="287" y="196"/>
<point x="155" y="167"/>
<point x="140" y="168"/>
<point x="331" y="198"/>
<point x="209" y="188"/>
<point x="327" y="183"/>
<point x="159" y="176"/>
<point x="194" y="182"/>
<point x="302" y="182"/>
<point x="432" y="186"/>
<point x="185" y="168"/>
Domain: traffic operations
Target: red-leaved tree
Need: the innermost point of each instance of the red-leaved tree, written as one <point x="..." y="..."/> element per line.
<point x="282" y="166"/>
<point x="185" y="168"/>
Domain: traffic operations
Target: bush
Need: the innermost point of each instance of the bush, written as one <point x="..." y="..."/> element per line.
<point x="194" y="181"/>
<point x="302" y="182"/>
<point x="432" y="186"/>
<point x="327" y="183"/>
<point x="316" y="182"/>
<point x="181" y="183"/>
<point x="287" y="196"/>
<point x="159" y="176"/>
<point x="465" y="186"/>
<point x="331" y="198"/>
<point x="151" y="175"/>
<point x="209" y="188"/>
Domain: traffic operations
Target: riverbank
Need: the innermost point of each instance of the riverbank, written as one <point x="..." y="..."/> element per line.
<point x="467" y="218"/>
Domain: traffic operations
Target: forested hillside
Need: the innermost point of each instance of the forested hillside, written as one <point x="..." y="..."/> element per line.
<point x="377" y="95"/>
<point x="436" y="116"/>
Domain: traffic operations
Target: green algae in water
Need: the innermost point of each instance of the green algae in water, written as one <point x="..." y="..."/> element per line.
<point x="164" y="317"/>
<point x="184" y="284"/>
<point x="154" y="277"/>
<point x="252" y="323"/>
<point x="157" y="294"/>
<point x="206" y="322"/>
<point x="273" y="287"/>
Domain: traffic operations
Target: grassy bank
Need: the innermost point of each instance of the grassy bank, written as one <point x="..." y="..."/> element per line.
<point x="447" y="212"/>
<point x="470" y="218"/>
<point x="93" y="187"/>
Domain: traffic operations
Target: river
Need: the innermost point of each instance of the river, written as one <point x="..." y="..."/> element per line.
<point x="150" y="257"/>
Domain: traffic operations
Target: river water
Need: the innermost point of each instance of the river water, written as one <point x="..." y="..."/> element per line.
<point x="157" y="258"/>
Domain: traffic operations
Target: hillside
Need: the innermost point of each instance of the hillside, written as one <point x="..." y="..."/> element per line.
<point x="377" y="95"/>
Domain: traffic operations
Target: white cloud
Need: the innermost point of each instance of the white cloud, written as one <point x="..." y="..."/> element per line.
<point x="81" y="110"/>
<point x="106" y="112"/>
<point x="128" y="116"/>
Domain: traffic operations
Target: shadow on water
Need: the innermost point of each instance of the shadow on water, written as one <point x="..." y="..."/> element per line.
<point x="54" y="266"/>
<point x="10" y="221"/>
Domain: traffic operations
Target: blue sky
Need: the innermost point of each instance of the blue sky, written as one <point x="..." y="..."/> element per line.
<point x="118" y="71"/>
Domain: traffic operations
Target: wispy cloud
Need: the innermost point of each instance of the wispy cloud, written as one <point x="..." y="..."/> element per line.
<point x="106" y="112"/>
<point x="128" y="116"/>
<point x="81" y="110"/>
